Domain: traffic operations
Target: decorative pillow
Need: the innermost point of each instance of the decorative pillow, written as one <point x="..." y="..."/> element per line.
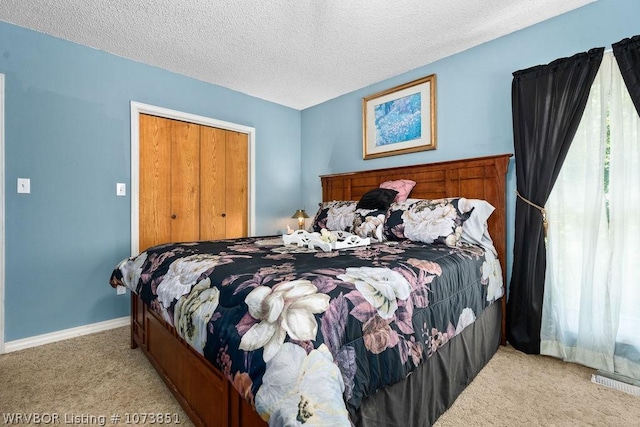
<point x="378" y="198"/>
<point x="393" y="227"/>
<point x="369" y="223"/>
<point x="336" y="215"/>
<point x="428" y="221"/>
<point x="475" y="229"/>
<point x="402" y="186"/>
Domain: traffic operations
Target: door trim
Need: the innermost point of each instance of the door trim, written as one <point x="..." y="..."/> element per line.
<point x="2" y="217"/>
<point x="138" y="108"/>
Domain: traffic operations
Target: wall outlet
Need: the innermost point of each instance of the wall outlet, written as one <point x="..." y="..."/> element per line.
<point x="121" y="290"/>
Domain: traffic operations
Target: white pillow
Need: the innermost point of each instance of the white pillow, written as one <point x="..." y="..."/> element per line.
<point x="475" y="229"/>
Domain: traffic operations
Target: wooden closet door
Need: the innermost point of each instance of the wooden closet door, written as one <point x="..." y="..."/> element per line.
<point x="185" y="181"/>
<point x="212" y="179"/>
<point x="236" y="189"/>
<point x="193" y="182"/>
<point x="155" y="181"/>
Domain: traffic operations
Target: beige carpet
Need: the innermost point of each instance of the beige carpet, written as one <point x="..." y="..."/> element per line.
<point x="99" y="375"/>
<point x="94" y="375"/>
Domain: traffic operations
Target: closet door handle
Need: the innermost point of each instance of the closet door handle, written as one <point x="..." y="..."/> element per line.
<point x="224" y="215"/>
<point x="174" y="216"/>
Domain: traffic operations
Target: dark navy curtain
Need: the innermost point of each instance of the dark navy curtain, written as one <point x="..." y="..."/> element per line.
<point x="547" y="104"/>
<point x="627" y="53"/>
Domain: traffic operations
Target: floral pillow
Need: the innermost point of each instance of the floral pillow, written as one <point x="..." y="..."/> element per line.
<point x="428" y="221"/>
<point x="402" y="186"/>
<point x="393" y="228"/>
<point x="369" y="223"/>
<point x="336" y="215"/>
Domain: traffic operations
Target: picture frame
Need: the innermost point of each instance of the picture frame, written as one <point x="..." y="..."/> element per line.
<point x="400" y="120"/>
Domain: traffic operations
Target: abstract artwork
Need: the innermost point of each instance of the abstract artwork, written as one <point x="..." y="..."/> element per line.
<point x="400" y="120"/>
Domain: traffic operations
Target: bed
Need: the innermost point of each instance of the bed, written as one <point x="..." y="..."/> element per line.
<point x="395" y="360"/>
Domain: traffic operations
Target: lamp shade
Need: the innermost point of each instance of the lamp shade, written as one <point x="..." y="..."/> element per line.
<point x="300" y="213"/>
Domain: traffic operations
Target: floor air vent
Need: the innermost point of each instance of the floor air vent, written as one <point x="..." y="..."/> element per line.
<point x="618" y="382"/>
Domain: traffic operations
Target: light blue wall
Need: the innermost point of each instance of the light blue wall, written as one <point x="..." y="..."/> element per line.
<point x="473" y="98"/>
<point x="67" y="129"/>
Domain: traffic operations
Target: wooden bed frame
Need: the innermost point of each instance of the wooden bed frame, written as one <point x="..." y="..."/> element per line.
<point x="203" y="391"/>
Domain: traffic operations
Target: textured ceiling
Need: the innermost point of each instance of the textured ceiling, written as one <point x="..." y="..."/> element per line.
<point x="298" y="53"/>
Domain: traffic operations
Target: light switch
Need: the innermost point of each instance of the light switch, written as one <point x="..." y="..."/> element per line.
<point x="121" y="189"/>
<point x="24" y="185"/>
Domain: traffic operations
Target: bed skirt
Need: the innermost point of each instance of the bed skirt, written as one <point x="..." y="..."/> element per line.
<point x="432" y="388"/>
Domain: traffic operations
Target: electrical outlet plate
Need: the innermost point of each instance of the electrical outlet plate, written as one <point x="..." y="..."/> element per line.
<point x="121" y="290"/>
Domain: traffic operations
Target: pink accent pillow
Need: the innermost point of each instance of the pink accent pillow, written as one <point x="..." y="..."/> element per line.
<point x="402" y="186"/>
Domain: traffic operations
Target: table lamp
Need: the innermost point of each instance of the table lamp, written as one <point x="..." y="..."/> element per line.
<point x="301" y="215"/>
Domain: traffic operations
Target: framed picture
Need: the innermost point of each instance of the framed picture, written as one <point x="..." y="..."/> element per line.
<point x="400" y="120"/>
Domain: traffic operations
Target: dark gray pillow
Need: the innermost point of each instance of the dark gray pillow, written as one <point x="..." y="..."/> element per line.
<point x="378" y="198"/>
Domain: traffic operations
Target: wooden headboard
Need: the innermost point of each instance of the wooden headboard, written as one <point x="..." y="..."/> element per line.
<point x="476" y="178"/>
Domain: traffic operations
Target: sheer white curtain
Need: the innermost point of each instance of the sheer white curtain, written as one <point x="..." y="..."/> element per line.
<point x="591" y="308"/>
<point x="624" y="226"/>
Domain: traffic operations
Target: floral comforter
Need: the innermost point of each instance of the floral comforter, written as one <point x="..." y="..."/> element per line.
<point x="305" y="336"/>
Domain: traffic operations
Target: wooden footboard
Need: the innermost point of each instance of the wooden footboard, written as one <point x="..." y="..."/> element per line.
<point x="204" y="393"/>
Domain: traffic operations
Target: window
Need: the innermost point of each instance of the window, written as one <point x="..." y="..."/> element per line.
<point x="591" y="310"/>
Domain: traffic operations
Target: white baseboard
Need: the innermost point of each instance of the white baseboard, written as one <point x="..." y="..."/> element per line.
<point x="21" y="344"/>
